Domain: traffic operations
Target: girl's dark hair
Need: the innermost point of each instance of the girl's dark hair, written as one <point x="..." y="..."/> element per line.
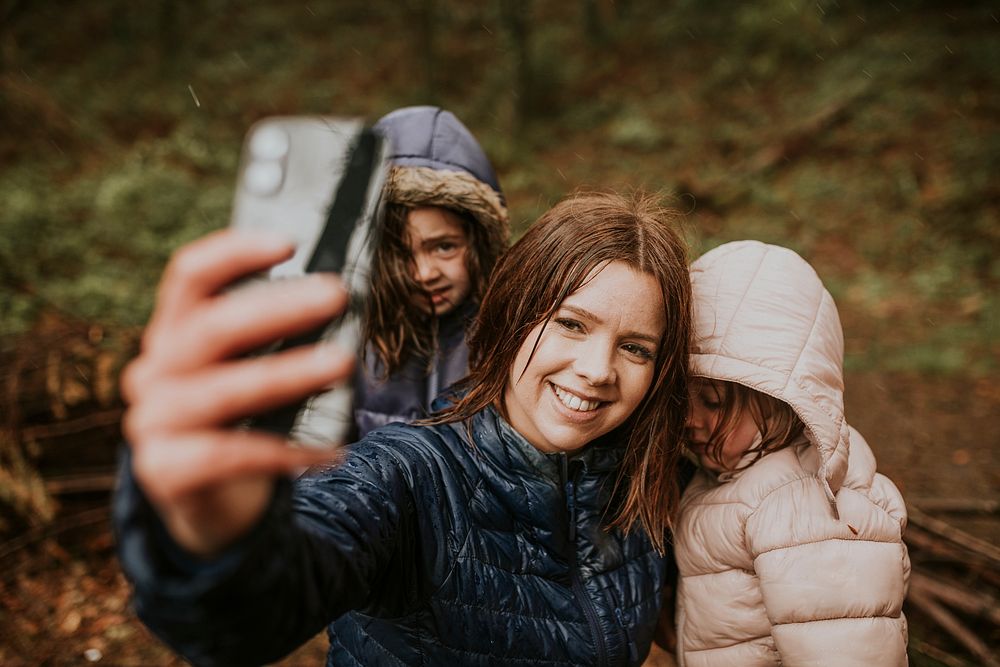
<point x="776" y="421"/>
<point x="532" y="279"/>
<point x="395" y="325"/>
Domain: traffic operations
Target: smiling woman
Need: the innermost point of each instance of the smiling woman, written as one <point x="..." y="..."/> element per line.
<point x="524" y="523"/>
<point x="583" y="372"/>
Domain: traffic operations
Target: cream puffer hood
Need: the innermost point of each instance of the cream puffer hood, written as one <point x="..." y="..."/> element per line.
<point x="766" y="321"/>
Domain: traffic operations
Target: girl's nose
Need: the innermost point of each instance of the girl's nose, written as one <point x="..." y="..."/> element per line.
<point x="693" y="420"/>
<point x="427" y="270"/>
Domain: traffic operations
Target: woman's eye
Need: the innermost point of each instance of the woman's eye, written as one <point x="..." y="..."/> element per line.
<point x="711" y="402"/>
<point x="640" y="351"/>
<point x="569" y="324"/>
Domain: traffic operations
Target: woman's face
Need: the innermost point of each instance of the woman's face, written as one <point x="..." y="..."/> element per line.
<point x="593" y="363"/>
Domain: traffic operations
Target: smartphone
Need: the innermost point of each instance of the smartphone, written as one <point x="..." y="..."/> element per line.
<point x="317" y="180"/>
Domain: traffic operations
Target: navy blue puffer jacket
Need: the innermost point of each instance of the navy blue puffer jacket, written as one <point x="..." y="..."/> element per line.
<point x="421" y="549"/>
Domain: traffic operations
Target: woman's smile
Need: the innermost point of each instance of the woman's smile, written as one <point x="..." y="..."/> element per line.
<point x="574" y="401"/>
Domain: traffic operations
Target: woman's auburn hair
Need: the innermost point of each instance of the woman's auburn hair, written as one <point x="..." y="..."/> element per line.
<point x="551" y="261"/>
<point x="394" y="324"/>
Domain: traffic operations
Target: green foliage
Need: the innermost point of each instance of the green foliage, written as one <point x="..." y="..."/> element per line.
<point x="132" y="127"/>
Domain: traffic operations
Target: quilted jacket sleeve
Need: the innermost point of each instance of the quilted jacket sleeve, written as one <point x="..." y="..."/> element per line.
<point x="317" y="553"/>
<point x="832" y="587"/>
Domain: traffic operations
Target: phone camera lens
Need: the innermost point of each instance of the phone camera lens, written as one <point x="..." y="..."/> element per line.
<point x="269" y="143"/>
<point x="264" y="177"/>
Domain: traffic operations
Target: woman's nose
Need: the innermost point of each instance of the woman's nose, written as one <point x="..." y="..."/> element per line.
<point x="595" y="365"/>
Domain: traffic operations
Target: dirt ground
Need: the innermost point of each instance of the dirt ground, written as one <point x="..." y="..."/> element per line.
<point x="64" y="601"/>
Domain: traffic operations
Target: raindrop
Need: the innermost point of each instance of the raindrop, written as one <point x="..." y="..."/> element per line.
<point x="93" y="655"/>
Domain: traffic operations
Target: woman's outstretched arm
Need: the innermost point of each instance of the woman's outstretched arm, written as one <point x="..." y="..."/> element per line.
<point x="207" y="480"/>
<point x="228" y="566"/>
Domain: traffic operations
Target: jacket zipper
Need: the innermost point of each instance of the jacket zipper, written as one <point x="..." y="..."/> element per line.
<point x="569" y="492"/>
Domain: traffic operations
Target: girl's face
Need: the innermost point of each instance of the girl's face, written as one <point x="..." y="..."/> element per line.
<point x="593" y="363"/>
<point x="704" y="414"/>
<point x="439" y="245"/>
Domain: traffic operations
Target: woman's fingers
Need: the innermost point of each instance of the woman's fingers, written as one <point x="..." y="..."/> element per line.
<point x="247" y="319"/>
<point x="204" y="267"/>
<point x="196" y="325"/>
<point x="175" y="470"/>
<point x="223" y="393"/>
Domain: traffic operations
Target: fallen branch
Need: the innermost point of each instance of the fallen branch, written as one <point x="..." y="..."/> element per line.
<point x="954" y="535"/>
<point x="803" y="136"/>
<point x="89" y="517"/>
<point x="970" y="602"/>
<point x="927" y="542"/>
<point x="956" y="505"/>
<point x="103" y="480"/>
<point x="953" y="626"/>
<point x="73" y="426"/>
<point x="934" y="652"/>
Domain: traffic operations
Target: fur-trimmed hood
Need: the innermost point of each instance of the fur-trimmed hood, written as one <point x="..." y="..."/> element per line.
<point x="764" y="320"/>
<point x="437" y="162"/>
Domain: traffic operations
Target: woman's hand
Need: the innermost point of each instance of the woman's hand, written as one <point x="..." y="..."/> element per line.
<point x="210" y="481"/>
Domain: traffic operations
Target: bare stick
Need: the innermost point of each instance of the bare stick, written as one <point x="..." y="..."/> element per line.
<point x="953" y="626"/>
<point x="86" y="518"/>
<point x="956" y="536"/>
<point x="956" y="505"/>
<point x="971" y="602"/>
<point x="101" y="480"/>
<point x="925" y="541"/>
<point x="934" y="652"/>
<point x="72" y="427"/>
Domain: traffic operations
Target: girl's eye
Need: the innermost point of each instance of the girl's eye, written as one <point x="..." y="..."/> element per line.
<point x="640" y="351"/>
<point x="711" y="402"/>
<point x="569" y="324"/>
<point x="445" y="248"/>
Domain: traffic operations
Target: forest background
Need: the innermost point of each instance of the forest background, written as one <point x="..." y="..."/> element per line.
<point x="864" y="135"/>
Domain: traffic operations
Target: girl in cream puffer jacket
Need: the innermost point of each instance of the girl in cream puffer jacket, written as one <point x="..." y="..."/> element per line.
<point x="789" y="544"/>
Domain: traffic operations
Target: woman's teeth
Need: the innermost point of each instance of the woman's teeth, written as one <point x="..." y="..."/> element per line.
<point x="574" y="402"/>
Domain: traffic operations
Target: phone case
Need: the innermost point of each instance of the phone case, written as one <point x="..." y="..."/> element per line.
<point x="317" y="180"/>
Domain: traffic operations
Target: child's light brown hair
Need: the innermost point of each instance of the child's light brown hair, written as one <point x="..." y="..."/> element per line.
<point x="775" y="420"/>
